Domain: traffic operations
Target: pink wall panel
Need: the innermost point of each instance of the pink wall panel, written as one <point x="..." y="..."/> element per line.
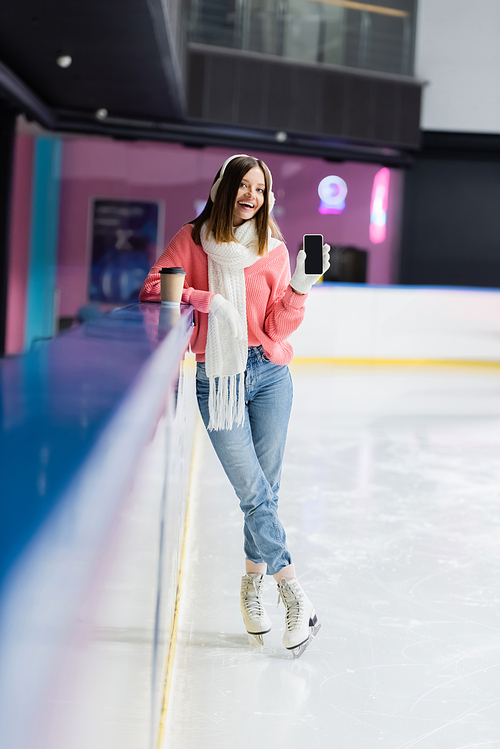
<point x="181" y="176"/>
<point x="298" y="178"/>
<point x="19" y="250"/>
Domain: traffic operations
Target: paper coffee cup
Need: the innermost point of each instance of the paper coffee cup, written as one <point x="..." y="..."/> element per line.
<point x="172" y="283"/>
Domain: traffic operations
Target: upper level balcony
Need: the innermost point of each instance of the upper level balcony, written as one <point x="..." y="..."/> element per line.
<point x="376" y="36"/>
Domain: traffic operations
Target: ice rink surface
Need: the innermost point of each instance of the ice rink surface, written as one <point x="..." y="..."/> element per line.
<point x="390" y="499"/>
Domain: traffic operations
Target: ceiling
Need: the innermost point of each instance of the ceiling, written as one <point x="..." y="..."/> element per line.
<point x="122" y="59"/>
<point x="126" y="60"/>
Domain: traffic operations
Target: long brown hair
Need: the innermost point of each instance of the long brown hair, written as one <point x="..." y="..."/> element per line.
<point x="219" y="215"/>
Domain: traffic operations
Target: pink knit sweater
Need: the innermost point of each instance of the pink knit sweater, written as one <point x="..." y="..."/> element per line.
<point x="274" y="310"/>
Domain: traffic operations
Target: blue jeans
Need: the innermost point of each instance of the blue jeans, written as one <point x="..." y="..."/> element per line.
<point x="252" y="454"/>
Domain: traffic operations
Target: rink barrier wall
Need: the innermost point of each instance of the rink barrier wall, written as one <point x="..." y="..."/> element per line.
<point x="97" y="437"/>
<point x="399" y="325"/>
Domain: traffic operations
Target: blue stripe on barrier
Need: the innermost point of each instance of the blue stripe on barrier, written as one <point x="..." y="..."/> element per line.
<point x="40" y="318"/>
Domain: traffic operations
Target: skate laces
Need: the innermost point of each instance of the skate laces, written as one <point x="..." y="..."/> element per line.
<point x="292" y="597"/>
<point x="252" y="596"/>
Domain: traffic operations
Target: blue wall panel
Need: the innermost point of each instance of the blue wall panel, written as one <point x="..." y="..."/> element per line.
<point x="40" y="313"/>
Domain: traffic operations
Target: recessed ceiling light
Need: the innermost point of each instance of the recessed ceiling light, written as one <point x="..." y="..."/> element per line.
<point x="101" y="114"/>
<point x="64" y="61"/>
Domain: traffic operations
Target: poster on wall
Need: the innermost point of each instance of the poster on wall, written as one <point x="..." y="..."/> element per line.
<point x="125" y="236"/>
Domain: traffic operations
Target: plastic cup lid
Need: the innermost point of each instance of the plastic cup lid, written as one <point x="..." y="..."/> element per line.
<point x="173" y="270"/>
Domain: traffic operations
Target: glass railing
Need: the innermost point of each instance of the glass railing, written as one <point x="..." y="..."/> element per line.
<point x="370" y="36"/>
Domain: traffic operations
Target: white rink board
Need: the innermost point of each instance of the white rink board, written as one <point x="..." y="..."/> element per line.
<point x="399" y="322"/>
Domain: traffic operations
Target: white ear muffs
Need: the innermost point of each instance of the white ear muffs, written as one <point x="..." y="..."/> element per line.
<point x="215" y="186"/>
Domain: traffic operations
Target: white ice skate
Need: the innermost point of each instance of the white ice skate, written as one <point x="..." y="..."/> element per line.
<point x="300" y="618"/>
<point x="257" y="622"/>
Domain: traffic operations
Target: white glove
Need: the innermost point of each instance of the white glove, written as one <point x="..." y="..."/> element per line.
<point x="227" y="313"/>
<point x="302" y="281"/>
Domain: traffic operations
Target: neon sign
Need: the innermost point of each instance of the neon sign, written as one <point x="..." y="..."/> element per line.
<point x="332" y="191"/>
<point x="378" y="205"/>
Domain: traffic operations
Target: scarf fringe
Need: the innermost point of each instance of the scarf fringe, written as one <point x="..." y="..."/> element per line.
<point x="226" y="402"/>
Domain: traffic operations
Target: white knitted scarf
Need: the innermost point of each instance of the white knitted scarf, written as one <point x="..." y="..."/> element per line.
<point x="225" y="356"/>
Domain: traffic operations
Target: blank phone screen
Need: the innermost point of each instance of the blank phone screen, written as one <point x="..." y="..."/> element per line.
<point x="313" y="246"/>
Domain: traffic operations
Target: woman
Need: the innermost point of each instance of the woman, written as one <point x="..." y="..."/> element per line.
<point x="245" y="308"/>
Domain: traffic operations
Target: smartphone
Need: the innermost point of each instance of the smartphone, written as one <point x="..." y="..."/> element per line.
<point x="313" y="247"/>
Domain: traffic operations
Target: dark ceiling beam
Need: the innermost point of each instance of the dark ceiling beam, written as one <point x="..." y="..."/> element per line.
<point x="200" y="135"/>
<point x="23" y="97"/>
<point x="196" y="135"/>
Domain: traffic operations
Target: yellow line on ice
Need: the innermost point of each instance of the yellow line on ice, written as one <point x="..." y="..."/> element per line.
<point x="367" y="362"/>
<point x="169" y="662"/>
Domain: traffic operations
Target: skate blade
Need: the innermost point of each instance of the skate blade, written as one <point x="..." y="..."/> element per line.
<point x="313" y="631"/>
<point x="256" y="640"/>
